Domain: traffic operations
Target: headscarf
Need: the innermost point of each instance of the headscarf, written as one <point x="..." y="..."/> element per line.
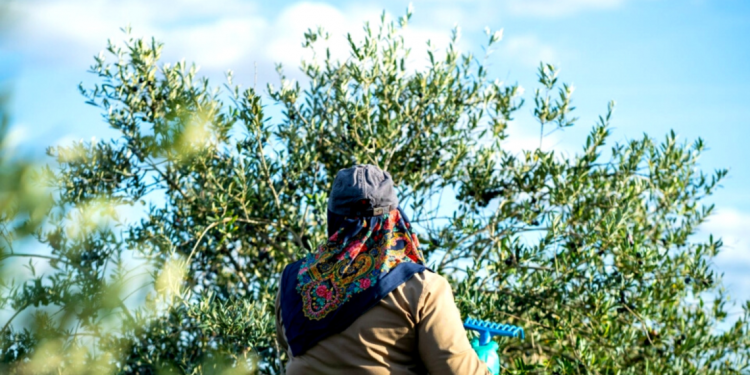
<point x="357" y="253"/>
<point x="364" y="259"/>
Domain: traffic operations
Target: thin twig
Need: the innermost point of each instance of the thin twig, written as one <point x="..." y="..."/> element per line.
<point x="7" y="324"/>
<point x="3" y="257"/>
<point x="203" y="234"/>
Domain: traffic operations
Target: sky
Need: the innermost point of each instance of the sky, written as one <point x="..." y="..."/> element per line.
<point x="669" y="64"/>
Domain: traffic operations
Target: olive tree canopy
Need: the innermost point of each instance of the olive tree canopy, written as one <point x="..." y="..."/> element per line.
<point x="164" y="244"/>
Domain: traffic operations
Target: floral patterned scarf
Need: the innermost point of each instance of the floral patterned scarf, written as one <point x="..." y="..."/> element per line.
<point x="359" y="250"/>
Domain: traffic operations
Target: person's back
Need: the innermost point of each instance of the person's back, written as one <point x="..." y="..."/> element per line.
<point x="415" y="329"/>
<point x="406" y="322"/>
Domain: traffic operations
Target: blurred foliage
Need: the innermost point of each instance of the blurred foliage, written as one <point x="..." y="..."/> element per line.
<point x="164" y="244"/>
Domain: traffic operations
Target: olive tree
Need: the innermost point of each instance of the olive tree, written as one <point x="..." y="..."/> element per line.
<point x="165" y="243"/>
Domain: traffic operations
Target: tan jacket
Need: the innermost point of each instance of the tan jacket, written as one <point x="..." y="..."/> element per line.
<point x="416" y="329"/>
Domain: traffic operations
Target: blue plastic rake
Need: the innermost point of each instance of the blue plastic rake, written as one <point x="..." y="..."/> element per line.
<point x="488" y="329"/>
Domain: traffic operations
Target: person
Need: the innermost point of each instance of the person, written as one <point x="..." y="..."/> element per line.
<point x="364" y="302"/>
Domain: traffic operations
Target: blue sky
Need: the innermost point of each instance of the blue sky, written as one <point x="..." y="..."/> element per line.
<point x="669" y="64"/>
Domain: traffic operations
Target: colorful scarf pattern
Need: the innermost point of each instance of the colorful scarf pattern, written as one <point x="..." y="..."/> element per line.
<point x="354" y="257"/>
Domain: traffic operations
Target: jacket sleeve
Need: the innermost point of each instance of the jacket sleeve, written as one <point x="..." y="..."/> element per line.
<point x="442" y="341"/>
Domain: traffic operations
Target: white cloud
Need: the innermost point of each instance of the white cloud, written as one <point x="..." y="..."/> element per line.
<point x="221" y="45"/>
<point x="286" y="44"/>
<point x="558" y="8"/>
<point x="228" y="34"/>
<point x="295" y="20"/>
<point x="74" y="30"/>
<point x="733" y="227"/>
<point x="483" y="11"/>
<point x="524" y="136"/>
<point x="63" y="35"/>
<point x="470" y="12"/>
<point x="528" y="50"/>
